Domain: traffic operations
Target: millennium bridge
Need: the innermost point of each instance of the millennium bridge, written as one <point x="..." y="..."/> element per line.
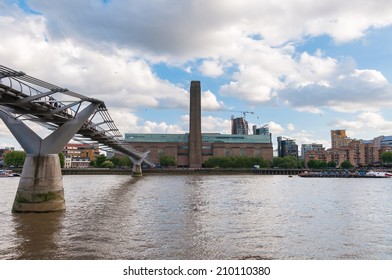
<point x="26" y="101"/>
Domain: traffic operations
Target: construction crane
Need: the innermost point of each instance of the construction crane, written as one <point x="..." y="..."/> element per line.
<point x="246" y="112"/>
<point x="243" y="112"/>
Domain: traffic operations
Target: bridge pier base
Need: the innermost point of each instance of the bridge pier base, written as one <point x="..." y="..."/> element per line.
<point x="41" y="186"/>
<point x="137" y="170"/>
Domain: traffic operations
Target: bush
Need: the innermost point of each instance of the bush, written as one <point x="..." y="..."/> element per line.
<point x="236" y="162"/>
<point x="15" y="158"/>
<point x="386" y="158"/>
<point x="167" y="161"/>
<point x="346" y="164"/>
<point x="287" y="162"/>
<point x="107" y="164"/>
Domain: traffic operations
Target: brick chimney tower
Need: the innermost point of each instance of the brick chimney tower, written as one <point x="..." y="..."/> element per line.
<point x="195" y="144"/>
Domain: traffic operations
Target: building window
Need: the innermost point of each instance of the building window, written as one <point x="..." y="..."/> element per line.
<point x="228" y="152"/>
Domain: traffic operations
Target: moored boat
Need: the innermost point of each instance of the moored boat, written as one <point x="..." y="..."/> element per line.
<point x="340" y="174"/>
<point x="8" y="173"/>
<point x="378" y="174"/>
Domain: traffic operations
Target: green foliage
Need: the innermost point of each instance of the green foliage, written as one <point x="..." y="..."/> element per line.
<point x="386" y="157"/>
<point x="125" y="161"/>
<point x="42" y="197"/>
<point x="115" y="161"/>
<point x="107" y="164"/>
<point x="21" y="199"/>
<point x="62" y="160"/>
<point x="287" y="162"/>
<point x="100" y="160"/>
<point x="346" y="164"/>
<point x="165" y="161"/>
<point x="15" y="158"/>
<point x="236" y="162"/>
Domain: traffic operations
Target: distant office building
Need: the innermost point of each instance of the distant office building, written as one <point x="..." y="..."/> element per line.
<point x="310" y="147"/>
<point x="80" y="152"/>
<point x="386" y="141"/>
<point x="287" y="147"/>
<point x="358" y="152"/>
<point x="76" y="162"/>
<point x="264" y="130"/>
<point x="193" y="148"/>
<point x="339" y="138"/>
<point x="319" y="155"/>
<point x="372" y="153"/>
<point x="239" y="126"/>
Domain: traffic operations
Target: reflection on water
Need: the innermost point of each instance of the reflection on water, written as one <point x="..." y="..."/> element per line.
<point x="204" y="217"/>
<point x="37" y="235"/>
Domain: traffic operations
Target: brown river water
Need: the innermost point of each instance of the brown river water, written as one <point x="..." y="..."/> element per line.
<point x="204" y="217"/>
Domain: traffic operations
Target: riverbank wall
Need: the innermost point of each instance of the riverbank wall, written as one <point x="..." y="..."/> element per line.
<point x="181" y="171"/>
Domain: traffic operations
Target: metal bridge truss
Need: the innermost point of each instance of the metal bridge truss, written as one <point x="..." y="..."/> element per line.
<point x="26" y="98"/>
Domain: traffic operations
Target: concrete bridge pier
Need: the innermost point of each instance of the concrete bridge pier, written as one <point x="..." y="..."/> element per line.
<point x="137" y="165"/>
<point x="41" y="186"/>
<point x="137" y="170"/>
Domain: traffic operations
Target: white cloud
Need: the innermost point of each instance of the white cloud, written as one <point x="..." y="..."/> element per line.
<point x="114" y="53"/>
<point x="259" y="71"/>
<point x="161" y="127"/>
<point x="209" y="102"/>
<point x="338" y="85"/>
<point x="200" y="28"/>
<point x="211" y="68"/>
<point x="128" y="122"/>
<point x="275" y="128"/>
<point x="290" y="127"/>
<point x="116" y="77"/>
<point x="209" y="124"/>
<point x="364" y="124"/>
<point x="107" y="51"/>
<point x="212" y="124"/>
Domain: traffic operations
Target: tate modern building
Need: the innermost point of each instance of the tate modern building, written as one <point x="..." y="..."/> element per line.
<point x="193" y="148"/>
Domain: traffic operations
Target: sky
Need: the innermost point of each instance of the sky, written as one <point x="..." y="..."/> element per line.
<point x="303" y="67"/>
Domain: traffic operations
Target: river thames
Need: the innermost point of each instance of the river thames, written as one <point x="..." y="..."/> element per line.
<point x="186" y="217"/>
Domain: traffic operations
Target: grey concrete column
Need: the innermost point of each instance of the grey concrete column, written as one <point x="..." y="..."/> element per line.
<point x="137" y="170"/>
<point x="41" y="186"/>
<point x="137" y="165"/>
